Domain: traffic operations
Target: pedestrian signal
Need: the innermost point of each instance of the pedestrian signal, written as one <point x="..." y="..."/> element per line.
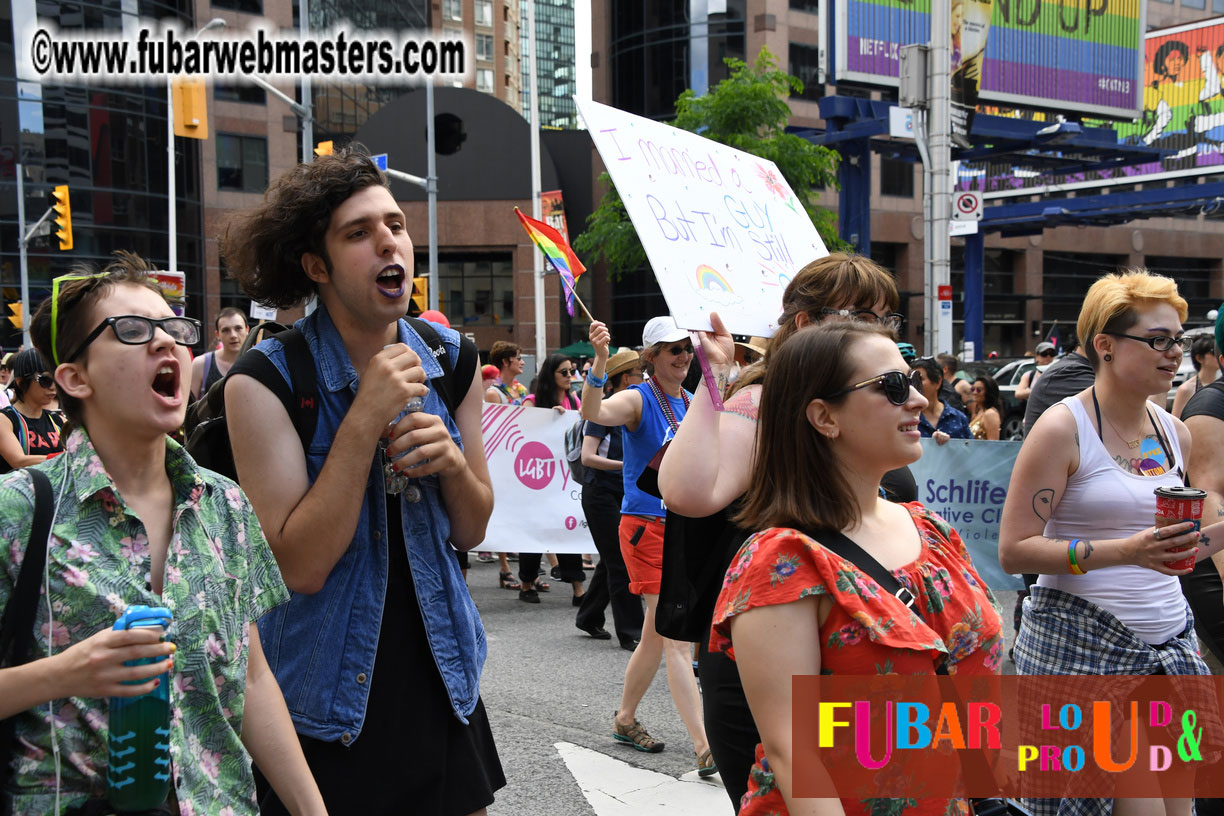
<point x="17" y="317"/>
<point x="63" y="216"/>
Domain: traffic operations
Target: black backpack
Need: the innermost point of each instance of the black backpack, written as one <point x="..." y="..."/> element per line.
<point x="207" y="432"/>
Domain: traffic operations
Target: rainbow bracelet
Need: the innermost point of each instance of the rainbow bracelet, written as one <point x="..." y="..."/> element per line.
<point x="1076" y="569"/>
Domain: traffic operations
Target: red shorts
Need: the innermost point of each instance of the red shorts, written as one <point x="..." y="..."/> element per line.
<point x="641" y="544"/>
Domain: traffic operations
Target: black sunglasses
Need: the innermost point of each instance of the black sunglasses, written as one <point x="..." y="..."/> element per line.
<point x="1160" y="342"/>
<point x="895" y="385"/>
<point x="136" y="330"/>
<point x="45" y="380"/>
<point x="676" y="351"/>
<point x="566" y="372"/>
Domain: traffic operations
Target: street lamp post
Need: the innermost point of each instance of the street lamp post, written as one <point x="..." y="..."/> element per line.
<point x="171" y="175"/>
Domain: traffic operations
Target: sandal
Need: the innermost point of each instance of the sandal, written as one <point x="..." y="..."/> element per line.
<point x="543" y="586"/>
<point x="705" y="764"/>
<point x="505" y="580"/>
<point x="635" y="735"/>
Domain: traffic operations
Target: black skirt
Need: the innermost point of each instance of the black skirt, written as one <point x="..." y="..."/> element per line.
<point x="413" y="755"/>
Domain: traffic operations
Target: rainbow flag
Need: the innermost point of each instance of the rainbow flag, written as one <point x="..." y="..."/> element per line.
<point x="558" y="252"/>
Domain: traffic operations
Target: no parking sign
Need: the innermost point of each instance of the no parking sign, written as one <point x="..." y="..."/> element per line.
<point x="967" y="206"/>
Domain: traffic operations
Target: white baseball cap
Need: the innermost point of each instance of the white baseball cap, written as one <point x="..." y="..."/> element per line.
<point x="662" y="330"/>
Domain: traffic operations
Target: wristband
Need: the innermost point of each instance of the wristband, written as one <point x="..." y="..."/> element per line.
<point x="596" y="382"/>
<point x="1076" y="569"/>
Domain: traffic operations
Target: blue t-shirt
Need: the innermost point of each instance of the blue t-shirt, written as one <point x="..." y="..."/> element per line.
<point x="641" y="446"/>
<point x="952" y="422"/>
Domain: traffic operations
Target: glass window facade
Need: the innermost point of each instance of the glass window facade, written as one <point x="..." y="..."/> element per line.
<point x="239" y="93"/>
<point x="242" y="163"/>
<point x="474" y="289"/>
<point x="484" y="47"/>
<point x="249" y="6"/>
<point x="555" y="66"/>
<point x="108" y="144"/>
<point x="484" y="13"/>
<point x="804" y="63"/>
<point x="484" y="80"/>
<point x="650" y="58"/>
<point x="896" y="177"/>
<point x="452" y="9"/>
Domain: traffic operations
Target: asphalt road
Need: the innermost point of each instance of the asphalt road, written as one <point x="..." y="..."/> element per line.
<point x="546" y="683"/>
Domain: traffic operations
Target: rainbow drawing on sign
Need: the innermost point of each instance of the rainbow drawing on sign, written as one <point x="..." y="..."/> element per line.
<point x="708" y="278"/>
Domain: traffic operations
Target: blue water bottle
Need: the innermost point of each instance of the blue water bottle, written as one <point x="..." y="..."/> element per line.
<point x="138" y="764"/>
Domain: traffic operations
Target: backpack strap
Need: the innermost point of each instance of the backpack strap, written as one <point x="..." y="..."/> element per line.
<point x="208" y="364"/>
<point x="454" y="383"/>
<point x="301" y="400"/>
<point x="17" y="622"/>
<point x="840" y="544"/>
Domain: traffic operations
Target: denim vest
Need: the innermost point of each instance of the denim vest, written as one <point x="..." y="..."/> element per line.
<point x="321" y="647"/>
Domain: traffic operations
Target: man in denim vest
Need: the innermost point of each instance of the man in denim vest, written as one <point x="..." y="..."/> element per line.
<point x="380" y="648"/>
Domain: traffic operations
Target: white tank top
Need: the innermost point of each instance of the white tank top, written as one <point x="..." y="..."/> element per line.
<point x="1103" y="501"/>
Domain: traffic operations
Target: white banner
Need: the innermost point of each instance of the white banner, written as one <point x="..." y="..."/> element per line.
<point x="537" y="505"/>
<point x="722" y="228"/>
<point x="965" y="482"/>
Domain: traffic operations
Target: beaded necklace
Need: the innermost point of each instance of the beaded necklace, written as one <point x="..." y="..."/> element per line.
<point x="665" y="404"/>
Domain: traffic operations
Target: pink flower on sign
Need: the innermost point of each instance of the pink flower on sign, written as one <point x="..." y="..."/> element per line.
<point x="535" y="465"/>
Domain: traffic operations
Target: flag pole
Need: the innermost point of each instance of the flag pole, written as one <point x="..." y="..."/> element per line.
<point x="585" y="310"/>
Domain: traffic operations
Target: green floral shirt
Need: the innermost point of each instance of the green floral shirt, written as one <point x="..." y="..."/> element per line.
<point x="220" y="575"/>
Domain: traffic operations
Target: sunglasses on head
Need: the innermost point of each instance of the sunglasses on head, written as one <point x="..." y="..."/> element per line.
<point x="676" y="351"/>
<point x="895" y="385"/>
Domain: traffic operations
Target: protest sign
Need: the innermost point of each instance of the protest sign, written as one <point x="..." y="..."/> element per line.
<point x="965" y="482"/>
<point x="537" y="506"/>
<point x="722" y="228"/>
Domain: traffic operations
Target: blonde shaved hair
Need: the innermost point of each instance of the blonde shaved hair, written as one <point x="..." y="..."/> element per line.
<point x="1112" y="304"/>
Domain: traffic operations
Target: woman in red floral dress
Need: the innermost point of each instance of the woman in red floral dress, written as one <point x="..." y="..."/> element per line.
<point x="839" y="412"/>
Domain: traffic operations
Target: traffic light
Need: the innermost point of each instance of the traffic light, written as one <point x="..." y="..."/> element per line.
<point x="190" y="99"/>
<point x="16" y="318"/>
<point x="63" y="216"/>
<point x="324" y="149"/>
<point x="420" y="295"/>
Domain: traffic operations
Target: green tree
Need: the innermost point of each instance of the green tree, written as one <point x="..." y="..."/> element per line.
<point x="747" y="111"/>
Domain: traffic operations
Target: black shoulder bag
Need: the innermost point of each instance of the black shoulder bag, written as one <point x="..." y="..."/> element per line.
<point x="841" y="545"/>
<point x="17" y="624"/>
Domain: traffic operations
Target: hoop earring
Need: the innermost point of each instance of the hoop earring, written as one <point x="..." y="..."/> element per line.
<point x="1108" y="358"/>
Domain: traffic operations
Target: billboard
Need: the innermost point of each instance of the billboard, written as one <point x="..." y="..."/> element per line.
<point x="1182" y="112"/>
<point x="1071" y="57"/>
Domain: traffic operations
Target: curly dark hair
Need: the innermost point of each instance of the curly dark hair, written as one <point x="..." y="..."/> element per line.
<point x="263" y="248"/>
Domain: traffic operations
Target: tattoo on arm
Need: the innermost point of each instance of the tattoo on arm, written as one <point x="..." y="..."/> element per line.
<point x="1043" y="501"/>
<point x="742" y="404"/>
<point x="1085" y="551"/>
<point x="1077" y="444"/>
<point x="720" y="380"/>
